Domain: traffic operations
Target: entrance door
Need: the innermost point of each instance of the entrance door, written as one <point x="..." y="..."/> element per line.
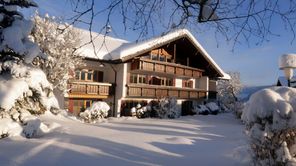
<point x="187" y="108"/>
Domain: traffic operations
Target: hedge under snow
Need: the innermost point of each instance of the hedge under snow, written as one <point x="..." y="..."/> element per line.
<point x="98" y="110"/>
<point x="270" y="118"/>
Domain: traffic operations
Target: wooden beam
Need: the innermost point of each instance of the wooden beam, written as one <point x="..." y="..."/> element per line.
<point x="175" y="49"/>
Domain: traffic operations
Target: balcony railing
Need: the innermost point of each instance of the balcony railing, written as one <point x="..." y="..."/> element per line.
<point x="90" y="88"/>
<point x="152" y="91"/>
<point x="165" y="67"/>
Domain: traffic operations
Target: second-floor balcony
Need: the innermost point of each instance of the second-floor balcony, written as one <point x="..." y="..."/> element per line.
<point x="93" y="89"/>
<point x="154" y="91"/>
<point x="178" y="70"/>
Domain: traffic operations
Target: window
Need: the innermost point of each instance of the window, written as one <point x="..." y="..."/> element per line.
<point x="169" y="82"/>
<point x="89" y="75"/>
<point x="155" y="81"/>
<point x="188" y="83"/>
<point x="98" y="76"/>
<point x="87" y="103"/>
<point x="82" y="76"/>
<point x="136" y="78"/>
<point x="142" y="79"/>
<point x="154" y="57"/>
<point x="162" y="58"/>
<point x="77" y="74"/>
<point x="133" y="78"/>
<point x="162" y="81"/>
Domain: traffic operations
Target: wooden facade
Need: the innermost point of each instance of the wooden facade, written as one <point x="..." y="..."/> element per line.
<point x="93" y="89"/>
<point x="157" y="92"/>
<point x="142" y="64"/>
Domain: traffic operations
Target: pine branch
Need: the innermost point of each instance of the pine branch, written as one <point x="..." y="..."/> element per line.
<point x="20" y="3"/>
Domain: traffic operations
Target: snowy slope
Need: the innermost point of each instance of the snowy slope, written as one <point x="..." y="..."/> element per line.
<point x="192" y="140"/>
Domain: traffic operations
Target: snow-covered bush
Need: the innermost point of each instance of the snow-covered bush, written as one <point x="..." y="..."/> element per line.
<point x="201" y="109"/>
<point x="270" y="117"/>
<point x="98" y="110"/>
<point x="141" y="111"/>
<point x="24" y="88"/>
<point x="59" y="42"/>
<point x="208" y="108"/>
<point x="213" y="107"/>
<point x="167" y="108"/>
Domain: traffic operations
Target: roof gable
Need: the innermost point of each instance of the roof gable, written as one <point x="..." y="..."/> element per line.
<point x="112" y="49"/>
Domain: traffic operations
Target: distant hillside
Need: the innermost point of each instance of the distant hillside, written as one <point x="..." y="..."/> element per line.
<point x="247" y="91"/>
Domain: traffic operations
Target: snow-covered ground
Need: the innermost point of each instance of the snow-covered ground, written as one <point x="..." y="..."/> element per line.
<point x="192" y="140"/>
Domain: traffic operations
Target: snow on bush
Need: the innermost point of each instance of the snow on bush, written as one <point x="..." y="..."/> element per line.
<point x="270" y="118"/>
<point x="24" y="89"/>
<point x="213" y="107"/>
<point x="141" y="111"/>
<point x="167" y="108"/>
<point x="202" y="109"/>
<point x="98" y="110"/>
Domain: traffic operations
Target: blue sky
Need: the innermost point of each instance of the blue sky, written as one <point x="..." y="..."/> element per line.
<point x="258" y="65"/>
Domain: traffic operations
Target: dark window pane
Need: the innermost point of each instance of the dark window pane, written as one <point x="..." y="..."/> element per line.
<point x="83" y="75"/>
<point x="161" y="58"/>
<point x="96" y="76"/>
<point x="87" y="103"/>
<point x="89" y="75"/>
<point x="100" y="76"/>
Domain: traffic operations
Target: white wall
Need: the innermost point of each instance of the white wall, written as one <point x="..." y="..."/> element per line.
<point x="178" y="83"/>
<point x="203" y="83"/>
<point x="120" y="86"/>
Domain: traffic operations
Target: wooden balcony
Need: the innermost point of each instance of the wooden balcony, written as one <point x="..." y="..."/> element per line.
<point x="154" y="91"/>
<point x="166" y="68"/>
<point x="80" y="89"/>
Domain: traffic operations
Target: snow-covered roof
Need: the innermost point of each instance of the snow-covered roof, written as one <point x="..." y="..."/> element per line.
<point x="103" y="46"/>
<point x="108" y="48"/>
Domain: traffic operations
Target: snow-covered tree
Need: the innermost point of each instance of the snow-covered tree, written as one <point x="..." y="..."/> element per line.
<point x="270" y="119"/>
<point x="24" y="89"/>
<point x="59" y="44"/>
<point x="228" y="91"/>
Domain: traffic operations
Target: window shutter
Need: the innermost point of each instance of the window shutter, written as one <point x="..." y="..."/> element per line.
<point x="191" y="84"/>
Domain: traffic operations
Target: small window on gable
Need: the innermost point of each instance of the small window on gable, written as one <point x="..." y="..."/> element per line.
<point x="162" y="58"/>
